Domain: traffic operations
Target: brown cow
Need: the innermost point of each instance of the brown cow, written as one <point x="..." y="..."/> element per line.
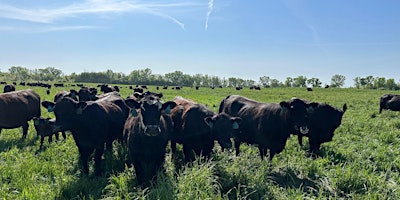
<point x="17" y="108"/>
<point x="196" y="127"/>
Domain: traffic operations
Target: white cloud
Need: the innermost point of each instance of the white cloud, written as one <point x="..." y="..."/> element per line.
<point x="92" y="7"/>
<point x="210" y="8"/>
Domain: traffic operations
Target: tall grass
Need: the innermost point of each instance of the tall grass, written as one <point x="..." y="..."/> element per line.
<point x="362" y="161"/>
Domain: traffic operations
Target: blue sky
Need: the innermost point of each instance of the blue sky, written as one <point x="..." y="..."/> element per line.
<point x="246" y="39"/>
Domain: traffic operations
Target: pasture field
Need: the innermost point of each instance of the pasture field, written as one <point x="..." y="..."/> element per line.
<point x="362" y="161"/>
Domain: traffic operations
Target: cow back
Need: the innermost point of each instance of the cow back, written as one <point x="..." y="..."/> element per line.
<point x="18" y="107"/>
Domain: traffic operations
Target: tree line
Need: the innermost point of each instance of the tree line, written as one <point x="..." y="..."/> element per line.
<point x="178" y="78"/>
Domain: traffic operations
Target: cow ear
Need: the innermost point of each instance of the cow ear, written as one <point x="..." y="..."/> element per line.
<point x="132" y="103"/>
<point x="134" y="112"/>
<point x="236" y="121"/>
<point x="284" y="105"/>
<point x="209" y="121"/>
<point x="79" y="107"/>
<point x="167" y="106"/>
<point x="73" y="93"/>
<point x="36" y="121"/>
<point x="48" y="105"/>
<point x="311" y="106"/>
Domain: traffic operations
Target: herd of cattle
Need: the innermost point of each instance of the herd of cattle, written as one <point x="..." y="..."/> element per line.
<point x="145" y="124"/>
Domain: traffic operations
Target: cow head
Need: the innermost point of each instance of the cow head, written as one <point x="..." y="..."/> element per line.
<point x="149" y="110"/>
<point x="65" y="110"/>
<point x="42" y="125"/>
<point x="222" y="126"/>
<point x="86" y="94"/>
<point x="297" y="110"/>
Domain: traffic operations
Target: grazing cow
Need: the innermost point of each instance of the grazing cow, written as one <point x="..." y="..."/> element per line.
<point x="266" y="124"/>
<point x="389" y="102"/>
<point x="47" y="91"/>
<point x="165" y="87"/>
<point x="17" y="108"/>
<point x="238" y="87"/>
<point x="322" y="123"/>
<point x="92" y="124"/>
<point x="146" y="133"/>
<point x="196" y="127"/>
<point x="197" y="87"/>
<point x="58" y="84"/>
<point x="3" y="82"/>
<point x="44" y="128"/>
<point x="138" y="89"/>
<point x="9" y="88"/>
<point x="22" y="83"/>
<point x="309" y="89"/>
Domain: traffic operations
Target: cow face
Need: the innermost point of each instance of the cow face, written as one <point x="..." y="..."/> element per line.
<point x="65" y="111"/>
<point x="85" y="94"/>
<point x="297" y="112"/>
<point x="223" y="126"/>
<point x="43" y="126"/>
<point x="150" y="110"/>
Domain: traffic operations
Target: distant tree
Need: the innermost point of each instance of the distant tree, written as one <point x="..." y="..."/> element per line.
<point x="19" y="73"/>
<point x="276" y="83"/>
<point x="265" y="81"/>
<point x="289" y="82"/>
<point x="337" y="80"/>
<point x="379" y="82"/>
<point x="300" y="81"/>
<point x="391" y="84"/>
<point x="357" y="82"/>
<point x="314" y="82"/>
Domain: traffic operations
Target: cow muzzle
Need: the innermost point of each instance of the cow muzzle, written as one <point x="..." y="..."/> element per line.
<point x="152" y="130"/>
<point x="304" y="130"/>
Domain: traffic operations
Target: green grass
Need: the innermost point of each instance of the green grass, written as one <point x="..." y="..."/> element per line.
<point x="362" y="161"/>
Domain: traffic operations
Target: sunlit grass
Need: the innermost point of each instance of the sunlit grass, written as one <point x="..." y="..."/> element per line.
<point x="362" y="161"/>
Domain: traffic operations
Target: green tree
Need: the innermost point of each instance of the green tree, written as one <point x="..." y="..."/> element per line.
<point x="337" y="80"/>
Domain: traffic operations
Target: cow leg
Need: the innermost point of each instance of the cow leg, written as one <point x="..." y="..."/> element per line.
<point x="139" y="172"/>
<point x="314" y="145"/>
<point x="97" y="161"/>
<point x="25" y="127"/>
<point x="263" y="152"/>
<point x="85" y="153"/>
<point x="237" y="149"/>
<point x="300" y="139"/>
<point x="63" y="134"/>
<point x="57" y="136"/>
<point x="50" y="138"/>
<point x="41" y="142"/>
<point x="271" y="154"/>
<point x="187" y="153"/>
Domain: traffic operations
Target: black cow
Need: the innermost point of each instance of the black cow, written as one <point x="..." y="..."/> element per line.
<point x="196" y="127"/>
<point x="58" y="84"/>
<point x="61" y="94"/>
<point x="266" y="124"/>
<point x="92" y="124"/>
<point x="45" y="128"/>
<point x="147" y="131"/>
<point x="389" y="102"/>
<point x="9" y="88"/>
<point x="309" y="89"/>
<point x="322" y="123"/>
<point x="87" y="94"/>
<point x="106" y="88"/>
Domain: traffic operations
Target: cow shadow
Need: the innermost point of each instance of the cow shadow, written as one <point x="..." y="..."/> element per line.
<point x="89" y="186"/>
<point x="290" y="180"/>
<point x="6" y="145"/>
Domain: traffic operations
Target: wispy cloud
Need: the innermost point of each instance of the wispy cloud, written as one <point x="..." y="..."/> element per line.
<point x="210" y="9"/>
<point x="91" y="7"/>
